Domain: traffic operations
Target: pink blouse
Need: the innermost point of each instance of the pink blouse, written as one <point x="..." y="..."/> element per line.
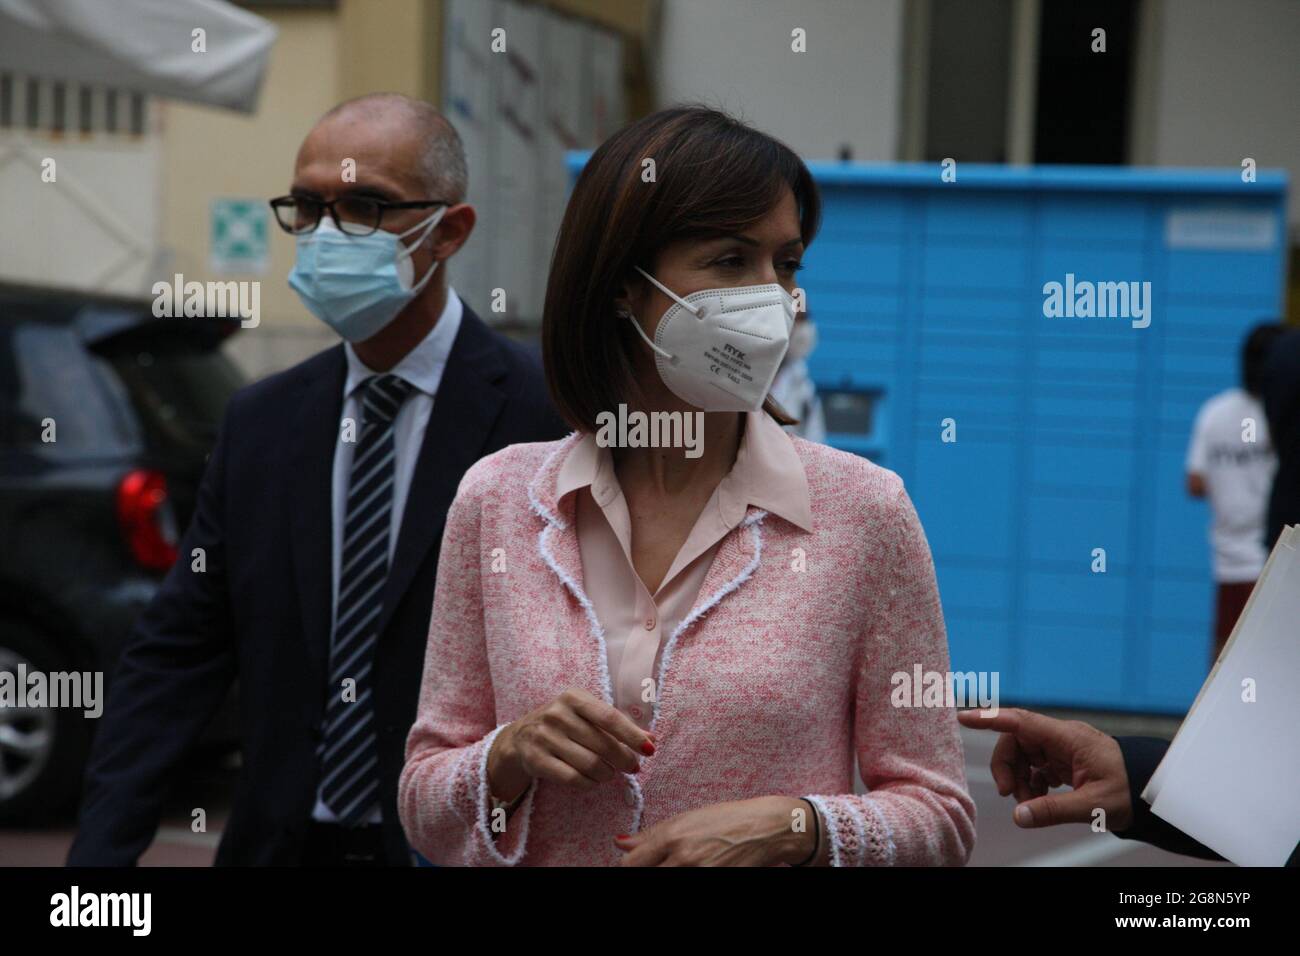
<point x="767" y="474"/>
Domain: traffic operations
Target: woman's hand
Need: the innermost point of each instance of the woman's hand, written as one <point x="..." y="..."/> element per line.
<point x="576" y="740"/>
<point x="757" y="832"/>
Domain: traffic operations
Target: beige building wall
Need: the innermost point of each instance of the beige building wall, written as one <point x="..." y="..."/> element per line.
<point x="210" y="153"/>
<point x="1226" y="86"/>
<point x="390" y="45"/>
<point x="322" y="56"/>
<point x="844" y="90"/>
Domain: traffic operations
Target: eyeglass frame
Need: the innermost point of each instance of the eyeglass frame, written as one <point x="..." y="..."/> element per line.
<point x="327" y="205"/>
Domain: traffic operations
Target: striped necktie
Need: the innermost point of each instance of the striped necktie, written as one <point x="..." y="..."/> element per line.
<point x="349" y="754"/>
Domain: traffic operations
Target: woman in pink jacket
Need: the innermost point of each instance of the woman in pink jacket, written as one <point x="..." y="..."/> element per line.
<point x="665" y="639"/>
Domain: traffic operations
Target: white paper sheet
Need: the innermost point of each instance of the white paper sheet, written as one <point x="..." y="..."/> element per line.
<point x="1231" y="777"/>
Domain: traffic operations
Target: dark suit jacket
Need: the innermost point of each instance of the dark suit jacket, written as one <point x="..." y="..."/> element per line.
<point x="1282" y="406"/>
<point x="260" y="612"/>
<point x="1141" y="757"/>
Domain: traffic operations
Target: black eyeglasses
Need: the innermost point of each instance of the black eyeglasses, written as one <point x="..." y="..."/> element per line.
<point x="354" y="215"/>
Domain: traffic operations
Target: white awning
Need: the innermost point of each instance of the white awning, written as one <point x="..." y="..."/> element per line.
<point x="146" y="46"/>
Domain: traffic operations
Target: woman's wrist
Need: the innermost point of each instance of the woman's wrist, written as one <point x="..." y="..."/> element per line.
<point x="507" y="779"/>
<point x="796" y="839"/>
<point x="816" y="855"/>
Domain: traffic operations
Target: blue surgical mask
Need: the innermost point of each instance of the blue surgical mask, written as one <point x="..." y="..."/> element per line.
<point x="358" y="284"/>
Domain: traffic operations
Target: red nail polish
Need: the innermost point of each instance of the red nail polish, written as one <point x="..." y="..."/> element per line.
<point x="622" y="836"/>
<point x="648" y="749"/>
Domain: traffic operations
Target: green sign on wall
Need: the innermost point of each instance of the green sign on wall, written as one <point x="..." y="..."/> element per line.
<point x="239" y="236"/>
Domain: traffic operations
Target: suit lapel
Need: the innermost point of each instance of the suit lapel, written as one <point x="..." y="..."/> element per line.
<point x="729" y="570"/>
<point x="557" y="542"/>
<point x="464" y="410"/>
<point x="311" y="520"/>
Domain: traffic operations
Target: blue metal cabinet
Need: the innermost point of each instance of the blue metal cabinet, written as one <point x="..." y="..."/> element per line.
<point x="1070" y="432"/>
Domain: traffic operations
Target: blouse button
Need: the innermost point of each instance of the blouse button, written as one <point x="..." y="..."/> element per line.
<point x="649" y="624"/>
<point x="635" y="712"/>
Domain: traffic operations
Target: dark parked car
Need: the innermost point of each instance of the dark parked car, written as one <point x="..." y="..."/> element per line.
<point x="107" y="416"/>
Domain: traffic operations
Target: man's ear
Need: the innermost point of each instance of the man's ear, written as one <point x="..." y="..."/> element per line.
<point x="453" y="230"/>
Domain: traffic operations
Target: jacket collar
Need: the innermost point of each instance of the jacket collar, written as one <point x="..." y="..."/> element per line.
<point x="425" y="364"/>
<point x="768" y="475"/>
<point x="735" y="561"/>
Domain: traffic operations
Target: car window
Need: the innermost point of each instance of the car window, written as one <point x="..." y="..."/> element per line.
<point x="52" y="400"/>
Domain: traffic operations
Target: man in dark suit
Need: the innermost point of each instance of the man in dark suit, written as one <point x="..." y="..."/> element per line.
<point x="307" y="573"/>
<point x="1282" y="406"/>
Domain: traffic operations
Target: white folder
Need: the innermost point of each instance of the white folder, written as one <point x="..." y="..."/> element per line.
<point x="1231" y="776"/>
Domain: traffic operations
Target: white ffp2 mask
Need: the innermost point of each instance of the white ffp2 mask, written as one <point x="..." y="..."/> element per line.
<point x="719" y="349"/>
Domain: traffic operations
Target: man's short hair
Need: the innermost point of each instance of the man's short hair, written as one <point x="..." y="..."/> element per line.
<point x="442" y="154"/>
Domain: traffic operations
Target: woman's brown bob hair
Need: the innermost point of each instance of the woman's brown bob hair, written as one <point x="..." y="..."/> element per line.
<point x="713" y="176"/>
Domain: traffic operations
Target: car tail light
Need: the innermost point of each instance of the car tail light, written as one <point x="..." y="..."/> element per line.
<point x="146" y="519"/>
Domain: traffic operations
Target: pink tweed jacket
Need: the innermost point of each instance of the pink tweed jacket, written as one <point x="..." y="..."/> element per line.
<point x="777" y="679"/>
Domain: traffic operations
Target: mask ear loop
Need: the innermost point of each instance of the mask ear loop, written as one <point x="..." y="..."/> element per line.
<point x="692" y="309"/>
<point x="429" y="225"/>
<point x="645" y="338"/>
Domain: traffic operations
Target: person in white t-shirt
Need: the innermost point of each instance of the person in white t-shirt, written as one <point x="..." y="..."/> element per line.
<point x="1230" y="462"/>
